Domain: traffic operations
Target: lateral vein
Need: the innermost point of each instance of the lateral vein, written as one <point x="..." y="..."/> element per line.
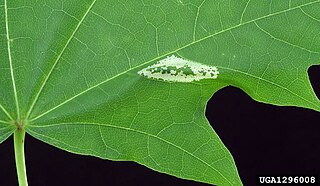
<point x="6" y="112"/>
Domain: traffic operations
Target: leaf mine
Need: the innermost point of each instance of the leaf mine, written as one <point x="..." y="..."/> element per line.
<point x="175" y="69"/>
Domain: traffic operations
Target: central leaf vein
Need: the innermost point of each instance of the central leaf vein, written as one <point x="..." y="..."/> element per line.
<point x="10" y="62"/>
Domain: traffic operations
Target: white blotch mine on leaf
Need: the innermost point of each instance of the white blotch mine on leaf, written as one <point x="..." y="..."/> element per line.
<point x="176" y="69"/>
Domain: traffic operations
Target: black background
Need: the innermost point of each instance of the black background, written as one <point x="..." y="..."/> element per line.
<point x="263" y="139"/>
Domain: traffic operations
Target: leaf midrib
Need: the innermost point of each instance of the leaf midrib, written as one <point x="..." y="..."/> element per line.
<point x="127" y="129"/>
<point x="11" y="65"/>
<point x="183" y="47"/>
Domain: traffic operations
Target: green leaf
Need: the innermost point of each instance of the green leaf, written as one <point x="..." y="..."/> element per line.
<point x="70" y="74"/>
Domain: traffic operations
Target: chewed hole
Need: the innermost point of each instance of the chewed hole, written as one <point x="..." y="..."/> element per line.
<point x="314" y="76"/>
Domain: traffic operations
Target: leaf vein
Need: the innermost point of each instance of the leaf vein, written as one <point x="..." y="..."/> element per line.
<point x="5" y="122"/>
<point x="10" y="61"/>
<point x="196" y="20"/>
<point x="284" y="41"/>
<point x="308" y="15"/>
<point x="6" y="112"/>
<point x="244" y="10"/>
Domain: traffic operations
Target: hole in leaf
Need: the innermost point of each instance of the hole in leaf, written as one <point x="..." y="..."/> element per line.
<point x="314" y="76"/>
<point x="264" y="138"/>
